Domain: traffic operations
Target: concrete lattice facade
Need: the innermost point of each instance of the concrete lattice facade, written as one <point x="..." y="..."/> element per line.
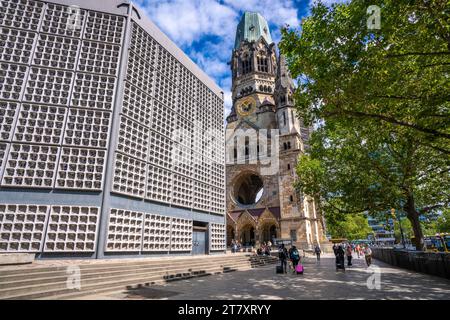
<point x="111" y="139"/>
<point x="262" y="93"/>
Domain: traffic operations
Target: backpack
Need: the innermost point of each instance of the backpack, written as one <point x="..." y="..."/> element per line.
<point x="282" y="254"/>
<point x="295" y="255"/>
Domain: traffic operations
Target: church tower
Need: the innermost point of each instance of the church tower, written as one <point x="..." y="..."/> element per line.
<point x="262" y="204"/>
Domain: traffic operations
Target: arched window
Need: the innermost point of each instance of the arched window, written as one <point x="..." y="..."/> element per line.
<point x="262" y="64"/>
<point x="246" y="65"/>
<point x="285" y="146"/>
<point x="289" y="166"/>
<point x="291" y="198"/>
<point x="289" y="144"/>
<point x="284" y="118"/>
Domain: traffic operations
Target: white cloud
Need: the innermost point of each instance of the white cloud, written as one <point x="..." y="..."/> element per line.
<point x="328" y="3"/>
<point x="206" y="29"/>
<point x="186" y="21"/>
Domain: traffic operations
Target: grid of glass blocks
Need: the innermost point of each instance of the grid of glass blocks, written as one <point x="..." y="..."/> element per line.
<point x="140" y="73"/>
<point x="166" y="91"/>
<point x="72" y="229"/>
<point x="201" y="168"/>
<point x="137" y="105"/>
<point x="187" y="81"/>
<point x="63" y="20"/>
<point x="124" y="230"/>
<point x="129" y="176"/>
<point x="12" y="80"/>
<point x="23" y="14"/>
<point x="93" y="91"/>
<point x="183" y="133"/>
<point x="87" y="128"/>
<point x="182" y="160"/>
<point x="167" y="64"/>
<point x="159" y="184"/>
<point x="30" y="166"/>
<point x="8" y="112"/>
<point x="217" y="200"/>
<point x="181" y="235"/>
<point x="104" y="27"/>
<point x="133" y="138"/>
<point x="202" y="143"/>
<point x="218" y="149"/>
<point x="182" y="190"/>
<point x="163" y="119"/>
<point x="40" y="124"/>
<point x="48" y="86"/>
<point x="143" y="44"/>
<point x="56" y="52"/>
<point x="217" y="237"/>
<point x="3" y="154"/>
<point x="201" y="196"/>
<point x="156" y="233"/>
<point x="98" y="57"/>
<point x="22" y="227"/>
<point x="160" y="150"/>
<point x="81" y="169"/>
<point x="16" y="45"/>
<point x="217" y="174"/>
<point x="186" y="106"/>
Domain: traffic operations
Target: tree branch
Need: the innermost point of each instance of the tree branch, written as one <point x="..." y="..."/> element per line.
<point x="417" y="54"/>
<point x="360" y="114"/>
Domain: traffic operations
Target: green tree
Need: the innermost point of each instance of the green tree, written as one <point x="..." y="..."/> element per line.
<point x="352" y="227"/>
<point x="380" y="100"/>
<point x="443" y="222"/>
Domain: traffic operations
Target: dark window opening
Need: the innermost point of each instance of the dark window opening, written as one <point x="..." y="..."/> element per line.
<point x="289" y="166"/>
<point x="262" y="64"/>
<point x="246" y="66"/>
<point x="291" y="198"/>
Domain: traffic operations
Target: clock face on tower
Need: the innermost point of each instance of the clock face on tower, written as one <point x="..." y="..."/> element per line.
<point x="246" y="107"/>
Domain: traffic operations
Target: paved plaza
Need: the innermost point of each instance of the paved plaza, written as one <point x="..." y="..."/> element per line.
<point x="320" y="281"/>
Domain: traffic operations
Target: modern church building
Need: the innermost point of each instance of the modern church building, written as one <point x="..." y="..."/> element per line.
<point x="111" y="138"/>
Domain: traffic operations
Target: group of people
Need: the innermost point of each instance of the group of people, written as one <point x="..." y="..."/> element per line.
<point x="346" y="250"/>
<point x="265" y="248"/>
<point x="293" y="255"/>
<point x="235" y="246"/>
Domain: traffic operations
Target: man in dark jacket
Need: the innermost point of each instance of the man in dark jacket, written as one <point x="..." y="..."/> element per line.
<point x="283" y="255"/>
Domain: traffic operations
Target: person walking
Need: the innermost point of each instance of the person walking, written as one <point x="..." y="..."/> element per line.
<point x="357" y="249"/>
<point x="335" y="249"/>
<point x="317" y="251"/>
<point x="283" y="256"/>
<point x="295" y="257"/>
<point x="368" y="256"/>
<point x="349" y="255"/>
<point x="340" y="259"/>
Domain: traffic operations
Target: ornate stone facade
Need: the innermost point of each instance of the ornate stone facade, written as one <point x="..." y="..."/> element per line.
<point x="262" y="203"/>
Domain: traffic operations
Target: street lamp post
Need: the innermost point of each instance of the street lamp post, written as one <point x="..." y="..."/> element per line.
<point x="400" y="224"/>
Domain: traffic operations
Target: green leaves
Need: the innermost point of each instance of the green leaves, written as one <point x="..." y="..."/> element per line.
<point x="380" y="101"/>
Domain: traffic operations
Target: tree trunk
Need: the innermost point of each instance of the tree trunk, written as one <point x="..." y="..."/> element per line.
<point x="413" y="217"/>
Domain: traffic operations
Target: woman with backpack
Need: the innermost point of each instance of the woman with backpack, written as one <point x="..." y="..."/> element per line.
<point x="295" y="257"/>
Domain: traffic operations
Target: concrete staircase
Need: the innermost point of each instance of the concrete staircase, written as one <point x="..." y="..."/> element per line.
<point x="51" y="282"/>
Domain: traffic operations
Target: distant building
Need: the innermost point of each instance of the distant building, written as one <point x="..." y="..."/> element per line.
<point x="111" y="138"/>
<point x="383" y="232"/>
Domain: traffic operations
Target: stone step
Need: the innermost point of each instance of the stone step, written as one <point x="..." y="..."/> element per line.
<point x="62" y="270"/>
<point x="61" y="275"/>
<point x="94" y="264"/>
<point x="43" y="289"/>
<point x="60" y="288"/>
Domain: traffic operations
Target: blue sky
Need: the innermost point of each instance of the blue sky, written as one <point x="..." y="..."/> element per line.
<point x="205" y="29"/>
